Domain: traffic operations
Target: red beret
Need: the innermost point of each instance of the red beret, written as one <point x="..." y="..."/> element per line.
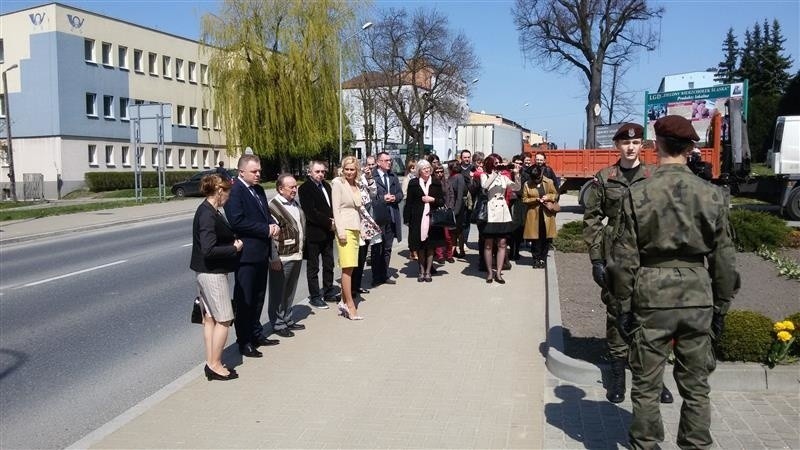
<point x="676" y="127"/>
<point x="629" y="131"/>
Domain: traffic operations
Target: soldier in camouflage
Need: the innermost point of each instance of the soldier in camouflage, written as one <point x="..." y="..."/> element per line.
<point x="603" y="199"/>
<point x="671" y="275"/>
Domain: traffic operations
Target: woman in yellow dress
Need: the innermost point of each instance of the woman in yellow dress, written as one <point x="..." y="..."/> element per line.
<point x="346" y="202"/>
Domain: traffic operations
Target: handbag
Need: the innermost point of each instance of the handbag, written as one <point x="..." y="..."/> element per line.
<point x="443" y="217"/>
<point x="197" y="313"/>
<point x="479" y="212"/>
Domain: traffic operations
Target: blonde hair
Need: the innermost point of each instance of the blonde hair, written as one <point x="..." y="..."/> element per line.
<point x="351" y="160"/>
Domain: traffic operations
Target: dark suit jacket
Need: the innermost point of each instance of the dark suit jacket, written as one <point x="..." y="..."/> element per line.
<point x="317" y="210"/>
<point x="250" y="221"/>
<point x="387" y="213"/>
<point x="212" y="242"/>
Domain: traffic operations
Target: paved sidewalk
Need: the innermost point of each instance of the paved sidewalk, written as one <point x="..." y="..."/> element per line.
<point x="450" y="364"/>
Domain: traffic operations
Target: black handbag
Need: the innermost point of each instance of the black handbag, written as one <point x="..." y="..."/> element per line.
<point x="197" y="313"/>
<point x="479" y="212"/>
<point x="443" y="217"/>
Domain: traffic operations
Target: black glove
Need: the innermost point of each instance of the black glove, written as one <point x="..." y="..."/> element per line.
<point x="626" y="325"/>
<point x="599" y="272"/>
<point x="717" y="326"/>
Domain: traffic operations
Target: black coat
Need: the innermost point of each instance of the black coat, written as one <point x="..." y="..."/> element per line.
<point x="250" y="220"/>
<point x="416" y="209"/>
<point x="317" y="211"/>
<point x="212" y="242"/>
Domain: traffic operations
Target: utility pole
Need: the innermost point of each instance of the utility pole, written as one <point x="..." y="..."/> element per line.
<point x="11" y="176"/>
<point x="613" y="92"/>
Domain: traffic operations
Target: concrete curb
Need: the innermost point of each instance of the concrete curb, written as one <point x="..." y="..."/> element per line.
<point x="745" y="377"/>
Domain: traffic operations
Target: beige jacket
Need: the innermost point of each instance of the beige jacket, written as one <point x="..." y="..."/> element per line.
<point x="345" y="204"/>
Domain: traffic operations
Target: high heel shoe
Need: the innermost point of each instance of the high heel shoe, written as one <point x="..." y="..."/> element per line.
<point x="211" y="375"/>
<point x="499" y="278"/>
<point x="343" y="310"/>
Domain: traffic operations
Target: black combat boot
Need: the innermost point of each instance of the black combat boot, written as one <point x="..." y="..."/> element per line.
<point x="616" y="385"/>
<point x="666" y="395"/>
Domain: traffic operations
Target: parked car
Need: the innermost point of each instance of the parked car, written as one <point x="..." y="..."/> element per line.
<point x="191" y="186"/>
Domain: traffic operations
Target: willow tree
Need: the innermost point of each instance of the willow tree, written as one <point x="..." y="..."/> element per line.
<point x="274" y="68"/>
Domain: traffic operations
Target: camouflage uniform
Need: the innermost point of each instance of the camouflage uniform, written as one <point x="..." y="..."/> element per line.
<point x="668" y="229"/>
<point x="603" y="200"/>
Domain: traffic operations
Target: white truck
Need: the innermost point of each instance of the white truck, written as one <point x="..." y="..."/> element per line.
<point x="784" y="158"/>
<point x="489" y="138"/>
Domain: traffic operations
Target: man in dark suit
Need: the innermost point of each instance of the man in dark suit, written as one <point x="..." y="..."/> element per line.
<point x="385" y="209"/>
<point x="315" y="200"/>
<point x="249" y="217"/>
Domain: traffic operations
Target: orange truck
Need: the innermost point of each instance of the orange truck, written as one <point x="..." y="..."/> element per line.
<point x="576" y="168"/>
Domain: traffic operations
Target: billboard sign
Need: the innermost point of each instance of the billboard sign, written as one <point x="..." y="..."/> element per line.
<point x="697" y="105"/>
<point x="604" y="135"/>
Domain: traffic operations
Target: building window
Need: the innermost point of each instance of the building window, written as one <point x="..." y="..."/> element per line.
<point x="691" y="85"/>
<point x="140" y="156"/>
<point x="204" y="74"/>
<point x="192" y="70"/>
<point x="110" y="156"/>
<point x="154" y="156"/>
<point x="206" y="162"/>
<point x="108" y="106"/>
<point x="88" y="50"/>
<point x="216" y="156"/>
<point x="193" y="117"/>
<point x="180" y="114"/>
<point x="2" y="52"/>
<point x="182" y="157"/>
<point x="204" y="119"/>
<point x="91" y="104"/>
<point x="2" y="105"/>
<point x="138" y="61"/>
<point x="107" y="54"/>
<point x="168" y="156"/>
<point x="126" y="156"/>
<point x="123" y="108"/>
<point x="215" y="118"/>
<point x="179" y="69"/>
<point x="194" y="158"/>
<point x="93" y="155"/>
<point x="166" y="66"/>
<point x="122" y="57"/>
<point x="152" y="63"/>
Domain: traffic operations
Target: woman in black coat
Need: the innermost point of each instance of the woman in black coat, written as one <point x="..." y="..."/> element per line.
<point x="425" y="194"/>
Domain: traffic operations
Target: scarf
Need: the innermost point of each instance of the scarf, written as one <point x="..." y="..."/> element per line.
<point x="426" y="218"/>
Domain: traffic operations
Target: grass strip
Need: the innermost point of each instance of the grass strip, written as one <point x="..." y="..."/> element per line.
<point x="36" y="213"/>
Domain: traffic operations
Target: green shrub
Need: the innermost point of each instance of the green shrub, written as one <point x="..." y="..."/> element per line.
<point x="747" y="337"/>
<point x="110" y="181"/>
<point x="570" y="238"/>
<point x="753" y="229"/>
<point x="795" y="318"/>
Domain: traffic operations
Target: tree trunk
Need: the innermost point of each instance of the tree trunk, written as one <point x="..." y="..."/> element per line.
<point x="595" y="86"/>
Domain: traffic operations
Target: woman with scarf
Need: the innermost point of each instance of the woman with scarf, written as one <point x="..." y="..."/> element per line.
<point x="425" y="194"/>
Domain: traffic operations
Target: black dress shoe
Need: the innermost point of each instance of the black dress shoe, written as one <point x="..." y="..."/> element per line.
<point x="389" y="281"/>
<point x="296" y="326"/>
<point x="262" y="341"/>
<point x="250" y="351"/>
<point x="211" y="375"/>
<point x="284" y="332"/>
<point x="318" y="303"/>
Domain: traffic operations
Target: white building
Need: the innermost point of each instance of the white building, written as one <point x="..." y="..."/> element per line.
<point x="77" y="73"/>
<point x="440" y="134"/>
<point x="688" y="80"/>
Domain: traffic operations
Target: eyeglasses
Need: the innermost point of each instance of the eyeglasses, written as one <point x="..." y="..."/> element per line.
<point x="439" y="171"/>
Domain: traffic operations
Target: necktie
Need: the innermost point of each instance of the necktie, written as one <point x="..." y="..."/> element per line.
<point x="386" y="182"/>
<point x="258" y="199"/>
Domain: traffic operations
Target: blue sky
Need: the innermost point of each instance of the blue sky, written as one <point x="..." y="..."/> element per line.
<point x="692" y="32"/>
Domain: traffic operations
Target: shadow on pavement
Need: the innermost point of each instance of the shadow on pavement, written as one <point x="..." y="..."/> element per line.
<point x="595" y="424"/>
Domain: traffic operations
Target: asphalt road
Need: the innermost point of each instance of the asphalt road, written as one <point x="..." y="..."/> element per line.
<point x="90" y="325"/>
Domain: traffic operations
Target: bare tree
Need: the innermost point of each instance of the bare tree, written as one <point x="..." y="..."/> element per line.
<point x="421" y="67"/>
<point x="585" y="34"/>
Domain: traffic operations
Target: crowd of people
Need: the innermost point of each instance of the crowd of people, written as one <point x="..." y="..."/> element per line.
<point x="262" y="242"/>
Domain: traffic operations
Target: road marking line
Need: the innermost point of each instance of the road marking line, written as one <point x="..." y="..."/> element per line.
<point x="47" y="280"/>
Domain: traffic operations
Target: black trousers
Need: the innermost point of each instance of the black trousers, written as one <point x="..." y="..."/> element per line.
<point x="315" y="251"/>
<point x="358" y="272"/>
<point x="381" y="257"/>
<point x="249" y="291"/>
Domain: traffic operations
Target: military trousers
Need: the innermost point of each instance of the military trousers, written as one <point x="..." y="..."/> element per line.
<point x="617" y="348"/>
<point x="694" y="361"/>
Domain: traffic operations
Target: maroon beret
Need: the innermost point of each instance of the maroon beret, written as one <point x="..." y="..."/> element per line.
<point x="629" y="131"/>
<point x="676" y="127"/>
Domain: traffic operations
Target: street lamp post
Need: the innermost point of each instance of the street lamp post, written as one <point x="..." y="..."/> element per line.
<point x="11" y="177"/>
<point x="341" y="100"/>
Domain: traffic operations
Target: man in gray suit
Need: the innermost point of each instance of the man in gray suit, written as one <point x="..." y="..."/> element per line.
<point x="386" y="211"/>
